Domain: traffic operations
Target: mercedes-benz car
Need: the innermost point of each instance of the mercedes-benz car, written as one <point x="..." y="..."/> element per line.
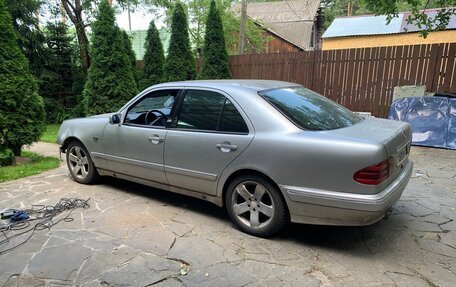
<point x="269" y="152"/>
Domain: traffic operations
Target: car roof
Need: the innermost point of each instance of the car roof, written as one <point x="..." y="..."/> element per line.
<point x="251" y="85"/>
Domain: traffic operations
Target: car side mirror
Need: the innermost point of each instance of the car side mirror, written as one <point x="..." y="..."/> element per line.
<point x="115" y="119"/>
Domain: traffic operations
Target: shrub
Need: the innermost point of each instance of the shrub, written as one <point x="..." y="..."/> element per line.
<point x="130" y="53"/>
<point x="110" y="82"/>
<point x="180" y="63"/>
<point x="21" y="108"/>
<point x="215" y="57"/>
<point x="154" y="59"/>
<point x="6" y="157"/>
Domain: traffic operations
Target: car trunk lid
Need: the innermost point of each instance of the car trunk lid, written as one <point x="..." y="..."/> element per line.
<point x="395" y="136"/>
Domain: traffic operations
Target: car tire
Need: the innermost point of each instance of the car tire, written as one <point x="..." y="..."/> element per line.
<point x="80" y="164"/>
<point x="256" y="206"/>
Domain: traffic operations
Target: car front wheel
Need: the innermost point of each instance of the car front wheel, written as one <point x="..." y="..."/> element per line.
<point x="80" y="164"/>
<point x="255" y="205"/>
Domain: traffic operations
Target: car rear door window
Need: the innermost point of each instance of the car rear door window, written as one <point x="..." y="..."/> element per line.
<point x="210" y="111"/>
<point x="310" y="110"/>
<point x="231" y="120"/>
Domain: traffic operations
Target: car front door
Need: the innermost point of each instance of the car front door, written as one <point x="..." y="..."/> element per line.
<point x="209" y="132"/>
<point x="136" y="146"/>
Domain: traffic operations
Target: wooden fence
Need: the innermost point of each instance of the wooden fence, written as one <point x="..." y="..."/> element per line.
<point x="360" y="79"/>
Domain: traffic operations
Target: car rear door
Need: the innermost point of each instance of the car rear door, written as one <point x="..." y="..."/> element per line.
<point x="136" y="147"/>
<point x="209" y="132"/>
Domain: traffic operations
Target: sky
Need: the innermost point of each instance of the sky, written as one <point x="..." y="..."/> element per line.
<point x="139" y="19"/>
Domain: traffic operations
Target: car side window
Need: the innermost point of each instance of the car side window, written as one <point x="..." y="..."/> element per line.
<point x="152" y="110"/>
<point x="231" y="120"/>
<point x="210" y="111"/>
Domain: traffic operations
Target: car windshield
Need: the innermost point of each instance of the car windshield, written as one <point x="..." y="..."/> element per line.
<point x="310" y="110"/>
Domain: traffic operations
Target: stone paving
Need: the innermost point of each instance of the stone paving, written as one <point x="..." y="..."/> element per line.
<point x="134" y="235"/>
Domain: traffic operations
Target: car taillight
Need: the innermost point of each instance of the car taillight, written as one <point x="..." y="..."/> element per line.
<point x="374" y="174"/>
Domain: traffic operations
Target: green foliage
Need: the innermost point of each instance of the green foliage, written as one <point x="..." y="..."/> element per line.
<point x="21" y="108"/>
<point x="254" y="36"/>
<point x="29" y="37"/>
<point x="391" y="8"/>
<point x="154" y="58"/>
<point x="37" y="165"/>
<point x="6" y="157"/>
<point x="215" y="57"/>
<point x="56" y="81"/>
<point x="110" y="82"/>
<point x="130" y="53"/>
<point x="180" y="64"/>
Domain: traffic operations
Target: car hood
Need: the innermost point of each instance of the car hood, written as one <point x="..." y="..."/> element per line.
<point x="102" y="115"/>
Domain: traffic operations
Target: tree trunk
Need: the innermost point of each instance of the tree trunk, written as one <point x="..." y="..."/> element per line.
<point x="16" y="150"/>
<point x="83" y="48"/>
<point x="242" y="30"/>
<point x="74" y="12"/>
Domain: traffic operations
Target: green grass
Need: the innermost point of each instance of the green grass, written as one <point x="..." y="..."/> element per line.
<point x="50" y="135"/>
<point x="39" y="164"/>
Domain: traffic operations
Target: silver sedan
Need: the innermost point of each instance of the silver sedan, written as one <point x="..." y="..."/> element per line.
<point x="270" y="152"/>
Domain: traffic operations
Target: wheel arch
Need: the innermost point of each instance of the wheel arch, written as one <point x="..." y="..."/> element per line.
<point x="249" y="171"/>
<point x="68" y="140"/>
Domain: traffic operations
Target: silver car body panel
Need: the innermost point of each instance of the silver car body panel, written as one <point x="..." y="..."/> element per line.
<point x="313" y="169"/>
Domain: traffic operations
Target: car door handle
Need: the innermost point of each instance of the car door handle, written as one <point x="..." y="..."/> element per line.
<point x="156" y="139"/>
<point x="226" y="147"/>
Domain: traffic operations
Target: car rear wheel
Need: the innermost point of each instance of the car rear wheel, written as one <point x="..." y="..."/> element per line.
<point x="80" y="164"/>
<point x="255" y="205"/>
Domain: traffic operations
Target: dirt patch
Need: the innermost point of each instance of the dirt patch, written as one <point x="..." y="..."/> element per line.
<point x="19" y="160"/>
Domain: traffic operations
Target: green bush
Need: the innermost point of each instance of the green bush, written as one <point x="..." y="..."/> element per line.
<point x="215" y="57"/>
<point x="6" y="157"/>
<point x="154" y="59"/>
<point x="56" y="112"/>
<point x="21" y="108"/>
<point x="180" y="63"/>
<point x="110" y="82"/>
<point x="130" y="53"/>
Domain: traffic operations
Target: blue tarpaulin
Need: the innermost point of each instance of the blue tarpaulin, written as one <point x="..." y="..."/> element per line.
<point x="433" y="119"/>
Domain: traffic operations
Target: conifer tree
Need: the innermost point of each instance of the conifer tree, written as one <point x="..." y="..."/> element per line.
<point x="110" y="82"/>
<point x="56" y="81"/>
<point x="180" y="63"/>
<point x="215" y="57"/>
<point x="131" y="54"/>
<point x="153" y="58"/>
<point x="21" y="107"/>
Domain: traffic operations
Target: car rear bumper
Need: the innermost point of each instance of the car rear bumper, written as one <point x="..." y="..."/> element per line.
<point x="339" y="208"/>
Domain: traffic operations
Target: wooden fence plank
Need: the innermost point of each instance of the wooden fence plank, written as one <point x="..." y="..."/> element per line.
<point x="361" y="79"/>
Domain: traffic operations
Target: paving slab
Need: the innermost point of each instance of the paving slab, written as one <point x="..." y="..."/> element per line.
<point x="133" y="235"/>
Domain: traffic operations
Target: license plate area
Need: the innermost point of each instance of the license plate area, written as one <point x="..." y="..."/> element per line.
<point x="401" y="154"/>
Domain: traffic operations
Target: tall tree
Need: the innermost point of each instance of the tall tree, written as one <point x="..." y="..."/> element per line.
<point x="180" y="63"/>
<point x="154" y="58"/>
<point x="74" y="9"/>
<point x="215" y="57"/>
<point x="21" y="108"/>
<point x="56" y="81"/>
<point x="130" y="53"/>
<point x="110" y="82"/>
<point x="26" y="27"/>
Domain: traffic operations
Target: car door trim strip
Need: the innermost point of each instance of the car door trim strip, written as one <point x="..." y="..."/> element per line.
<point x="189" y="172"/>
<point x="130" y="161"/>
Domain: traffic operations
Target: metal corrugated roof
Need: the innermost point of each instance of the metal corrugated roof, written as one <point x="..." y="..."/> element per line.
<point x="376" y="25"/>
<point x="290" y="20"/>
<point x="406" y="27"/>
<point x="362" y="25"/>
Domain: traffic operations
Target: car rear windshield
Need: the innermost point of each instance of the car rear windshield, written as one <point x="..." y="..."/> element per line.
<point x="310" y="110"/>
